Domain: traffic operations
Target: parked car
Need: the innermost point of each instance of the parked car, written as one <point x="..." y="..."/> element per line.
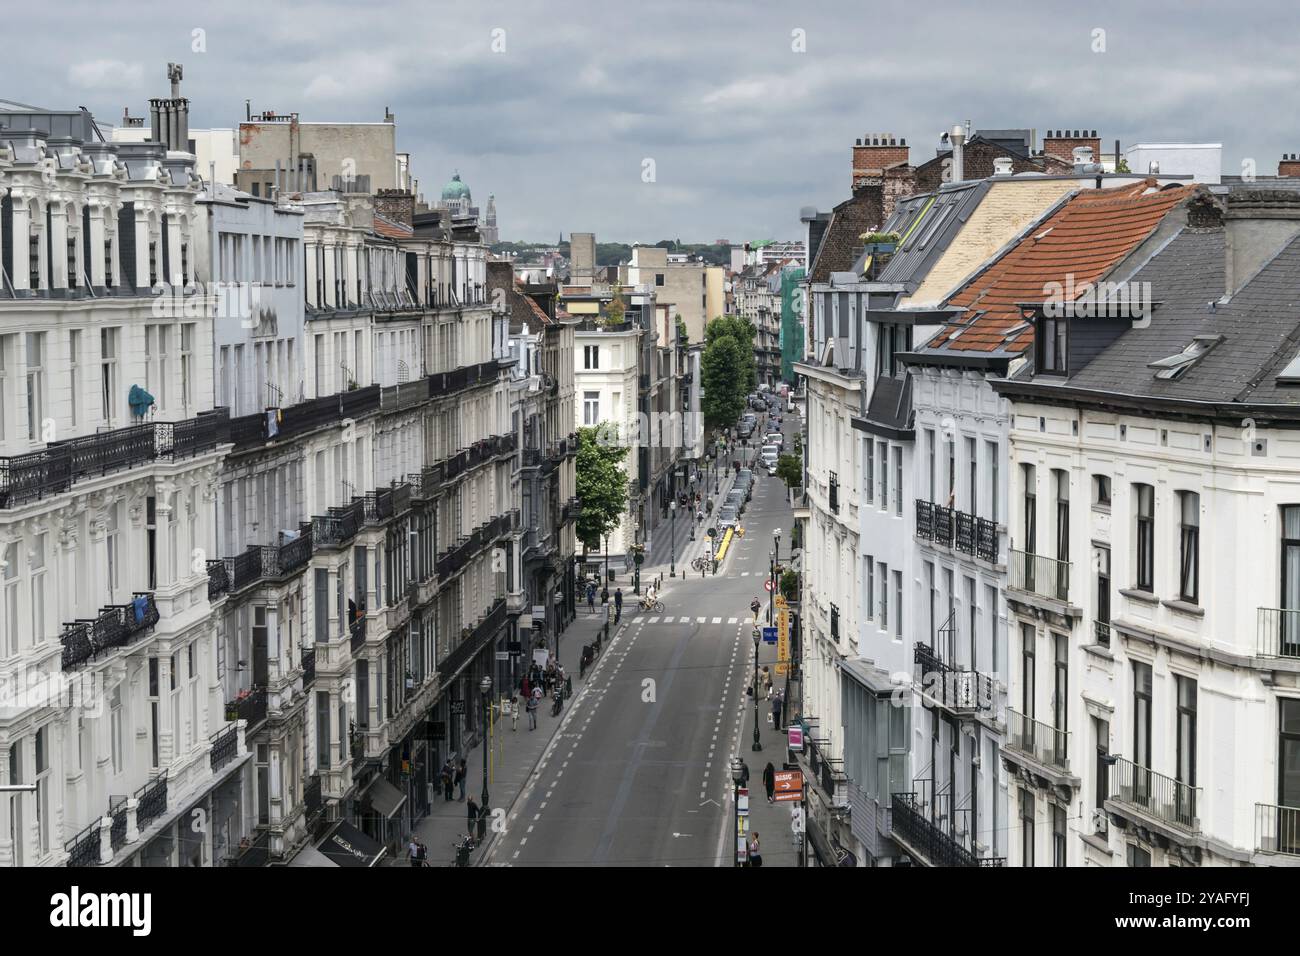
<point x="727" y="518"/>
<point x="774" y="438"/>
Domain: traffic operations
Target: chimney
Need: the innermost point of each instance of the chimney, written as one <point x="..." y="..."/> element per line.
<point x="1062" y="143"/>
<point x="1258" y="223"/>
<point x="1289" y="166"/>
<point x="396" y="204"/>
<point x="1002" y="166"/>
<point x="958" y="139"/>
<point x="876" y="152"/>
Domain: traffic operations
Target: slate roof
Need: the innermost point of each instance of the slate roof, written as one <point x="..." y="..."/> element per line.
<point x="1260" y="325"/>
<point x="849" y="220"/>
<point x="1085" y="237"/>
<point x="925" y="224"/>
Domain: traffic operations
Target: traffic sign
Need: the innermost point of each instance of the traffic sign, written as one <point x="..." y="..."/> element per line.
<point x="789" y="785"/>
<point x="769" y="635"/>
<point x="767" y="585"/>
<point x="713" y="532"/>
<point x="503" y="655"/>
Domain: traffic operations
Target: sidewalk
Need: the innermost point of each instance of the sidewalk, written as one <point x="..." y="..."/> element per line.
<point x="515" y="755"/>
<point x="771" y="820"/>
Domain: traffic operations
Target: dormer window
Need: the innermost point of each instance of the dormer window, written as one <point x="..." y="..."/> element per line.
<point x="1052" y="345"/>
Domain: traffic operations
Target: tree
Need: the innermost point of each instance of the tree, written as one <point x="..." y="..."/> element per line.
<point x="790" y="581"/>
<point x="682" y="336"/>
<point x="601" y="483"/>
<point x="616" y="309"/>
<point x="790" y="470"/>
<point x="743" y="331"/>
<point x="722" y="381"/>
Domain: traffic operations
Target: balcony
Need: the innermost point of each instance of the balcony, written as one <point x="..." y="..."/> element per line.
<point x="357" y="633"/>
<point x="256" y="853"/>
<point x="308" y="666"/>
<point x="986" y="540"/>
<point x="357" y="747"/>
<point x="472" y="641"/>
<point x="1037" y="574"/>
<point x="1277" y="829"/>
<point x="224" y="747"/>
<point x="571" y="511"/>
<point x="151" y="800"/>
<point x="83" y="849"/>
<point x="1040" y="748"/>
<point x="339" y="526"/>
<point x="218" y="580"/>
<point x="1101" y="632"/>
<point x="287" y="557"/>
<point x="458" y="556"/>
<point x="55" y="468"/>
<point x="1277" y="633"/>
<point x="957" y="691"/>
<point x="927" y="840"/>
<point x="965" y="532"/>
<point x="827" y="772"/>
<point x="378" y="506"/>
<point x="1154" y="796"/>
<point x="116" y="626"/>
<point x="249" y="705"/>
<point x="943" y="525"/>
<point x="924" y="519"/>
<point x="313" y="800"/>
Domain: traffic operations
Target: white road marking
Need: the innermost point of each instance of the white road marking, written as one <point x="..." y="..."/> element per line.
<point x="717" y="620"/>
<point x="668" y="620"/>
<point x="699" y="620"/>
<point x="654" y="620"/>
<point x="731" y="620"/>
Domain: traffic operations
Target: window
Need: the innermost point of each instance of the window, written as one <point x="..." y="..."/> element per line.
<point x="972" y="479"/>
<point x="898" y="605"/>
<point x="42" y="748"/>
<point x="10" y="646"/>
<point x="1288" y="775"/>
<point x="36" y="581"/>
<point x="1058" y="835"/>
<point x="591" y="356"/>
<point x="1101" y="767"/>
<point x="871" y="589"/>
<point x="74" y="373"/>
<point x="108" y="263"/>
<point x="1052" y="342"/>
<point x="1101" y="491"/>
<point x="35" y="383"/>
<point x="1189" y="546"/>
<point x="116" y="743"/>
<point x="1102" y="557"/>
<point x="993" y="451"/>
<point x="884" y="475"/>
<point x="1137" y="856"/>
<point x="1061" y="682"/>
<point x="884" y="597"/>
<point x="1289" y="627"/>
<point x="5" y="345"/>
<point x="1026" y="828"/>
<point x="1186" y="690"/>
<point x="972" y="623"/>
<point x="1142" y="714"/>
<point x="869" y="471"/>
<point x="1144" y="498"/>
<point x="108" y="373"/>
<point x="991" y="612"/>
<point x="187" y="363"/>
<point x="1027" y="638"/>
<point x="1061" y="481"/>
<point x="591" y="408"/>
<point x="1030" y="509"/>
<point x="898" y="482"/>
<point x="659" y="278"/>
<point x="929" y="466"/>
<point x="111" y="545"/>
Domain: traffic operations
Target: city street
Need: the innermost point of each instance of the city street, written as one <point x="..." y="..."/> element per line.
<point x="639" y="772"/>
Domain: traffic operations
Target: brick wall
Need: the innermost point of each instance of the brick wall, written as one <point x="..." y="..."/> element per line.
<point x="1289" y="166"/>
<point x="977" y="163"/>
<point x="395" y="204"/>
<point x="1061" y="143"/>
<point x="875" y="153"/>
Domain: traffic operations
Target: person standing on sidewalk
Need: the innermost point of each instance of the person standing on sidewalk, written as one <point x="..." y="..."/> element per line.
<point x="514" y="714"/>
<point x="778" y="702"/>
<point x="531" y="707"/>
<point x="769" y="782"/>
<point x="765" y="683"/>
<point x="591" y="598"/>
<point x="446" y="779"/>
<point x="461" y="773"/>
<point x="618" y="605"/>
<point x="471" y="810"/>
<point x="755" y="855"/>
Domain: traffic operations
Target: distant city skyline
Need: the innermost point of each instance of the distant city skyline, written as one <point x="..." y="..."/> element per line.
<point x="737" y="116"/>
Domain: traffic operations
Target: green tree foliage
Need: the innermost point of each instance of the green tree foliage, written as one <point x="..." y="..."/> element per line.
<point x="601" y="482"/>
<point x="617" y="308"/>
<point x="722" y="381"/>
<point x="790" y="470"/>
<point x="742" y="330"/>
<point x="682" y="336"/>
<point x="790" y="585"/>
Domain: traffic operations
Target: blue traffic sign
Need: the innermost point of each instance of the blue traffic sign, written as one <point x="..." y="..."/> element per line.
<point x="769" y="635"/>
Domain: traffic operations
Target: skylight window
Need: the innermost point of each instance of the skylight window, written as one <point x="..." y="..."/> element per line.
<point x="1174" y="366"/>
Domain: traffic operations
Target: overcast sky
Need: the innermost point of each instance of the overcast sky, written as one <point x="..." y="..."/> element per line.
<point x="747" y="109"/>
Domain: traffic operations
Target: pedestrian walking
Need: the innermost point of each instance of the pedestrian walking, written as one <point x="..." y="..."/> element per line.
<point x="744" y="773"/>
<point x="514" y="714"/>
<point x="446" y="779"/>
<point x="778" y="702"/>
<point x="413" y="850"/>
<point x="765" y="682"/>
<point x="461" y="774"/>
<point x="618" y="605"/>
<point x="604" y="596"/>
<point x="531" y="707"/>
<point x="769" y="782"/>
<point x="471" y="810"/>
<point x="755" y="855"/>
<point x="591" y="598"/>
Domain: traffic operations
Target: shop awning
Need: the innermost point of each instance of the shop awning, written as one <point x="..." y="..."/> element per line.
<point x="310" y="856"/>
<point x="821" y="846"/>
<point x="348" y="846"/>
<point x="384" y="798"/>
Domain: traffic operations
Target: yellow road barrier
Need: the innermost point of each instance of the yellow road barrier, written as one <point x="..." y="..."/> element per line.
<point x="722" y="548"/>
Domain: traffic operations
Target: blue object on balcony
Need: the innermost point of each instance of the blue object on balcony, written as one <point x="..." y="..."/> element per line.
<point x="139" y="400"/>
<point x="141" y="606"/>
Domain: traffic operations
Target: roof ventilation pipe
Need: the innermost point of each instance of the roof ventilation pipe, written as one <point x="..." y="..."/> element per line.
<point x="958" y="139"/>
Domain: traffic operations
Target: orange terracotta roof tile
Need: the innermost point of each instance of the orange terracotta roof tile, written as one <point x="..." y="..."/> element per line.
<point x="1085" y="238"/>
<point x="392" y="230"/>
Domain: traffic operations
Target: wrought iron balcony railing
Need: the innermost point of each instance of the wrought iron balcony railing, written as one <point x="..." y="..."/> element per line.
<point x="964" y="536"/>
<point x="357" y="632"/>
<point x="116" y="626"/>
<point x="83" y="849"/>
<point x="308" y="666"/>
<point x="986" y="540"/>
<point x="1277" y="829"/>
<point x="218" y="580"/>
<point x="1277" y="632"/>
<point x="920" y="832"/>
<point x="223" y="747"/>
<point x="151" y="800"/>
<point x="1040" y="575"/>
<point x="249" y="705"/>
<point x="1040" y="742"/>
<point x="943" y="525"/>
<point x="954" y="689"/>
<point x="924" y="519"/>
<point x="1166" y="799"/>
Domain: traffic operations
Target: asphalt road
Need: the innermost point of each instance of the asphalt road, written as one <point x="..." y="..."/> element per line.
<point x="638" y="774"/>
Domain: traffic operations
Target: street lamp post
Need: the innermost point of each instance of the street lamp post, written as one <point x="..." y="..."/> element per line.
<point x="771" y="590"/>
<point x="672" y="539"/>
<point x="485" y="685"/>
<point x="757" y="637"/>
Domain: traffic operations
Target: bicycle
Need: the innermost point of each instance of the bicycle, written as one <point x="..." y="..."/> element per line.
<point x="699" y="564"/>
<point x="657" y="606"/>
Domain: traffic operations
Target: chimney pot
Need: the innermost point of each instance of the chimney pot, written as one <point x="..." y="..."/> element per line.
<point x="1094" y="134"/>
<point x="903" y="141"/>
<point x="857" y="142"/>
